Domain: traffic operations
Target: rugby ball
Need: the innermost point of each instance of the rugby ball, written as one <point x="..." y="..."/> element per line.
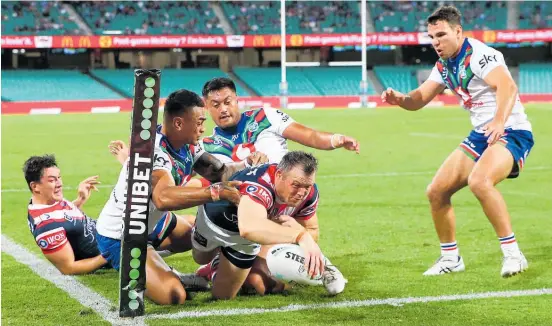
<point x="286" y="262"/>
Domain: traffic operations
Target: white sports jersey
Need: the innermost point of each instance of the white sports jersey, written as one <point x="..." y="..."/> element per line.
<point x="464" y="76"/>
<point x="258" y="130"/>
<point x="177" y="162"/>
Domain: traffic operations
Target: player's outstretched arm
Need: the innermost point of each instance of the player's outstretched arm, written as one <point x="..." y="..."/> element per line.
<point x="318" y="139"/>
<point x="64" y="260"/>
<point x="166" y="196"/>
<point x="506" y="95"/>
<point x="256" y="227"/>
<point x="311" y="224"/>
<point x="415" y="99"/>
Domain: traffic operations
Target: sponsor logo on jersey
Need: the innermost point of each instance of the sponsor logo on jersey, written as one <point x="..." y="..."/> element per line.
<point x="487" y="59"/>
<point x="42" y="243"/>
<point x="260" y="193"/>
<point x="68" y="217"/>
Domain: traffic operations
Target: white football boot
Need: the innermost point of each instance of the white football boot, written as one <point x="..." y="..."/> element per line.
<point x="445" y="265"/>
<point x="513" y="263"/>
<point x="333" y="279"/>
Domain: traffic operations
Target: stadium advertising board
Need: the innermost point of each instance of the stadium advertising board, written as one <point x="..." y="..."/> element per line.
<point x="262" y="41"/>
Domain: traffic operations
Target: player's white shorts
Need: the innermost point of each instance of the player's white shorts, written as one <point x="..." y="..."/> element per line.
<point x="207" y="237"/>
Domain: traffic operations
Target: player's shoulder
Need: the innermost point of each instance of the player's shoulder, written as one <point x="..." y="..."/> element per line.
<point x="480" y="49"/>
<point x="262" y="174"/>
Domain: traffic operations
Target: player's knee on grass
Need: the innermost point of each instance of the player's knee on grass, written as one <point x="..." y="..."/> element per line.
<point x="169" y="293"/>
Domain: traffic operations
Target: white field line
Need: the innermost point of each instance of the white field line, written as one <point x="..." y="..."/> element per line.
<point x="434" y="135"/>
<point x="78" y="291"/>
<point x="328" y="176"/>
<point x="351" y="304"/>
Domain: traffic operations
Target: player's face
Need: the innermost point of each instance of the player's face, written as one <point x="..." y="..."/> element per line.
<point x="223" y="107"/>
<point x="192" y="126"/>
<point x="293" y="187"/>
<point x="446" y="39"/>
<point x="50" y="187"/>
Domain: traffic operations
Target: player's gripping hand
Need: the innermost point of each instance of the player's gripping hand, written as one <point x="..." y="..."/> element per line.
<point x="314" y="262"/>
<point x="392" y="96"/>
<point x="257" y="158"/>
<point x="494" y="130"/>
<point x="230" y="191"/>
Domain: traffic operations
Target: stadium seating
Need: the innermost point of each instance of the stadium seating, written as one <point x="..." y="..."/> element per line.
<point x="337" y="80"/>
<point x="535" y="14"/>
<point x="401" y="78"/>
<point x="36" y="18"/>
<point x="304" y="81"/>
<point x="404" y="16"/>
<point x="44" y="85"/>
<point x="171" y="79"/>
<point x="535" y="78"/>
<point x="263" y="17"/>
<point x="151" y="17"/>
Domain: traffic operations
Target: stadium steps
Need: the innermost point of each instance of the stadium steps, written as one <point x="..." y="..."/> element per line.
<point x="241" y="83"/>
<point x="535" y="78"/>
<point x="219" y="12"/>
<point x="378" y="87"/>
<point x="114" y="88"/>
<point x="73" y="13"/>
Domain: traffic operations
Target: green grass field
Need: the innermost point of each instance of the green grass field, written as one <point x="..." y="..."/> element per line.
<point x="375" y="223"/>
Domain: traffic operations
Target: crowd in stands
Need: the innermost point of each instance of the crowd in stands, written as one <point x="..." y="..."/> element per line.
<point x="150" y="17"/>
<point x="255" y="17"/>
<point x="36" y="17"/>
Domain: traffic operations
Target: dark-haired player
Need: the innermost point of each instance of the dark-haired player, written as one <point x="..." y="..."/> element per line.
<point x="496" y="148"/>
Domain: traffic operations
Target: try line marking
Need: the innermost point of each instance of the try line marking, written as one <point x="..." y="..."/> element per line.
<point x="69" y="284"/>
<point x="89" y="298"/>
<point x="351" y="304"/>
<point x="324" y="176"/>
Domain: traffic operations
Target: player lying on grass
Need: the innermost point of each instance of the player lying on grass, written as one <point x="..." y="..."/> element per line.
<point x="277" y="201"/>
<point x="176" y="156"/>
<point x="265" y="130"/>
<point x="63" y="232"/>
<point x="496" y="148"/>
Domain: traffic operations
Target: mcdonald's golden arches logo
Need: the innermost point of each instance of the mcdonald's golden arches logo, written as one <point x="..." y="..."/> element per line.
<point x="489" y="36"/>
<point x="105" y="41"/>
<point x="67" y="42"/>
<point x="84" y="42"/>
<point x="259" y="40"/>
<point x="296" y="40"/>
<point x="275" y="40"/>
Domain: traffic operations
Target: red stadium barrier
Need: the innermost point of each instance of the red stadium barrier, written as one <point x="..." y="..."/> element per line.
<point x="294" y="102"/>
<point x="257" y="41"/>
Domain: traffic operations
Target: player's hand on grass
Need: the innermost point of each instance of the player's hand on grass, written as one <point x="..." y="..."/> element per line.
<point x="314" y="261"/>
<point x="230" y="191"/>
<point x="119" y="149"/>
<point x="494" y="130"/>
<point x="257" y="158"/>
<point x="392" y="96"/>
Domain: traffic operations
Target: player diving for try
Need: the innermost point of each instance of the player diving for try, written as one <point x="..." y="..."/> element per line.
<point x="176" y="155"/>
<point x="264" y="130"/>
<point x="274" y="196"/>
<point x="496" y="148"/>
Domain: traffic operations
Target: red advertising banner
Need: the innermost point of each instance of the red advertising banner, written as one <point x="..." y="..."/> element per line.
<point x="294" y="102"/>
<point x="260" y="41"/>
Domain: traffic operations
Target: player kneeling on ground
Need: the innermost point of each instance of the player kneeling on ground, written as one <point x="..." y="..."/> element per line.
<point x="176" y="156"/>
<point x="271" y="193"/>
<point x="63" y="232"/>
